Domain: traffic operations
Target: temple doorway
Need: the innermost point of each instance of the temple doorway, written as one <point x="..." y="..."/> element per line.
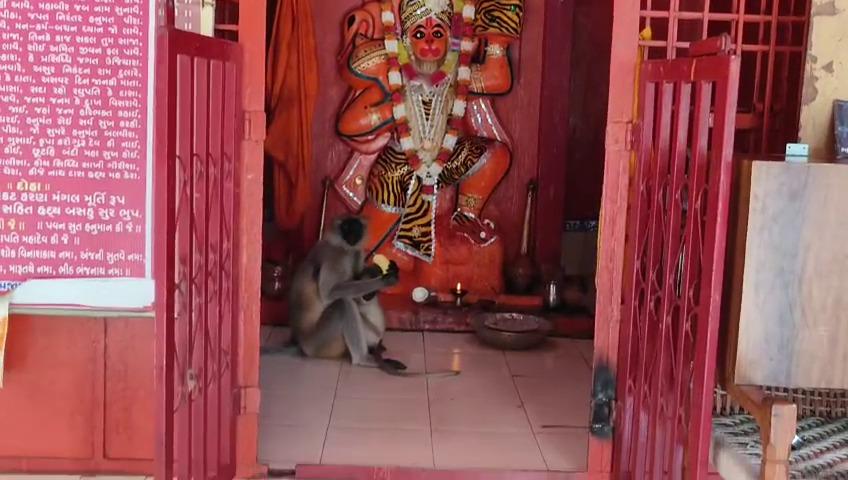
<point x="569" y="118"/>
<point x="505" y="411"/>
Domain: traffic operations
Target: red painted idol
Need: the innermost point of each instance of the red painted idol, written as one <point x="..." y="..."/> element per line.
<point x="428" y="150"/>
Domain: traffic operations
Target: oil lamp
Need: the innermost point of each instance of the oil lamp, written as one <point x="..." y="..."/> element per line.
<point x="459" y="294"/>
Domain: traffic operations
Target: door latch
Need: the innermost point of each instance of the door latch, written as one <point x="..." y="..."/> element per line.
<point x="632" y="133"/>
<point x="603" y="402"/>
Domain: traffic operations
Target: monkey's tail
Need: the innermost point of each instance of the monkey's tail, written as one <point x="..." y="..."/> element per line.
<point x="398" y="369"/>
<point x="401" y="373"/>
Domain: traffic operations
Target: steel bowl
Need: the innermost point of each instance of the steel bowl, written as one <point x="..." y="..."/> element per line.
<point x="511" y="331"/>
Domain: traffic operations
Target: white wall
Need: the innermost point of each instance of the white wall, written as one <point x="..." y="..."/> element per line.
<point x="826" y="77"/>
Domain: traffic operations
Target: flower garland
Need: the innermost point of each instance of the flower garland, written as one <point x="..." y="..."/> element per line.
<point x="400" y="68"/>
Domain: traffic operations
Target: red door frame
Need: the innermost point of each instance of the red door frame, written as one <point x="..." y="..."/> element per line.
<point x="613" y="222"/>
<point x="610" y="275"/>
<point x="609" y="279"/>
<point x="625" y="36"/>
<point x="250" y="131"/>
<point x="251" y="24"/>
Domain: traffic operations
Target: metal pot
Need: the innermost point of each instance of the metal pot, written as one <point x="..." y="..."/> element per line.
<point x="552" y="298"/>
<point x="511" y="331"/>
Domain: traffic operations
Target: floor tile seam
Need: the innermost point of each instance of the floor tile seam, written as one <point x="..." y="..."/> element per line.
<point x="589" y="361"/>
<point x="422" y="428"/>
<point x="322" y="425"/>
<point x="555" y="388"/>
<point x="555" y="428"/>
<point x="376" y="397"/>
<point x="439" y="404"/>
<point x="481" y="353"/>
<point x="571" y="429"/>
<point x="563" y="428"/>
<point x="330" y="419"/>
<point x="429" y="403"/>
<point x="485" y="431"/>
<point x="527" y="416"/>
<point x="285" y="393"/>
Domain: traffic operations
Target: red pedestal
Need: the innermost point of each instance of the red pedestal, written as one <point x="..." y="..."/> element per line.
<point x="479" y="269"/>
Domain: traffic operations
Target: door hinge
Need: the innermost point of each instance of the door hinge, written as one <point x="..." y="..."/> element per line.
<point x="631" y="136"/>
<point x="249" y="400"/>
<point x="603" y="402"/>
<point x="254" y="125"/>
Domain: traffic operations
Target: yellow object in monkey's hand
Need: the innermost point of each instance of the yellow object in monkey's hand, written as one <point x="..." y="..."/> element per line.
<point x="382" y="262"/>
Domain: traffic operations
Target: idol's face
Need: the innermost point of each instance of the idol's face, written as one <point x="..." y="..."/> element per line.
<point x="428" y="39"/>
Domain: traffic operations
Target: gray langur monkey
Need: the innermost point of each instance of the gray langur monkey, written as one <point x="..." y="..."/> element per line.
<point x="333" y="305"/>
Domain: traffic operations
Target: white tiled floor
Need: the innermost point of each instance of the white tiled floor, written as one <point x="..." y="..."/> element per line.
<point x="506" y="410"/>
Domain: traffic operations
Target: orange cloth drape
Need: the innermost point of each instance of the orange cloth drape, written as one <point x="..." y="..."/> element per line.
<point x="291" y="87"/>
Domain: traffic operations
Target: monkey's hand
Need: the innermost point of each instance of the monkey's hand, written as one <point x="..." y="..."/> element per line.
<point x="371" y="271"/>
<point x="392" y="275"/>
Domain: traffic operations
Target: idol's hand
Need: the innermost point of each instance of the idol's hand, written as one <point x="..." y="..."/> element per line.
<point x="494" y="75"/>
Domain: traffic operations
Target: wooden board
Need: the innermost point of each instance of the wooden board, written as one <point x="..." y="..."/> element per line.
<point x="793" y="324"/>
<point x="740" y="198"/>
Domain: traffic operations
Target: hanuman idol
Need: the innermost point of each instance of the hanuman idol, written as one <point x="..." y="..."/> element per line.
<point x="418" y="116"/>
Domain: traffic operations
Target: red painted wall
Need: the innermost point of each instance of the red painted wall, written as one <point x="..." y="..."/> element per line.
<point x="520" y="112"/>
<point x="77" y="395"/>
<point x="590" y="68"/>
<point x="554" y="157"/>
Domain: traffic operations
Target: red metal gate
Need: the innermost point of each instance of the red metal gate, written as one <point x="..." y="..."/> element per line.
<point x="199" y="124"/>
<point x="677" y="226"/>
<point x="770" y="37"/>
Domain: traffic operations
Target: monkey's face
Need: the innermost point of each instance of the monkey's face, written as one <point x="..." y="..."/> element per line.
<point x="352" y="231"/>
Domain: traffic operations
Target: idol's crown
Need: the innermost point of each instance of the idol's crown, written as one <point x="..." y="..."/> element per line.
<point x="413" y="11"/>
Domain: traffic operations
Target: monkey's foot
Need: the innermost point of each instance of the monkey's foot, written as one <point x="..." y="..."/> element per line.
<point x="378" y="349"/>
<point x="480" y="232"/>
